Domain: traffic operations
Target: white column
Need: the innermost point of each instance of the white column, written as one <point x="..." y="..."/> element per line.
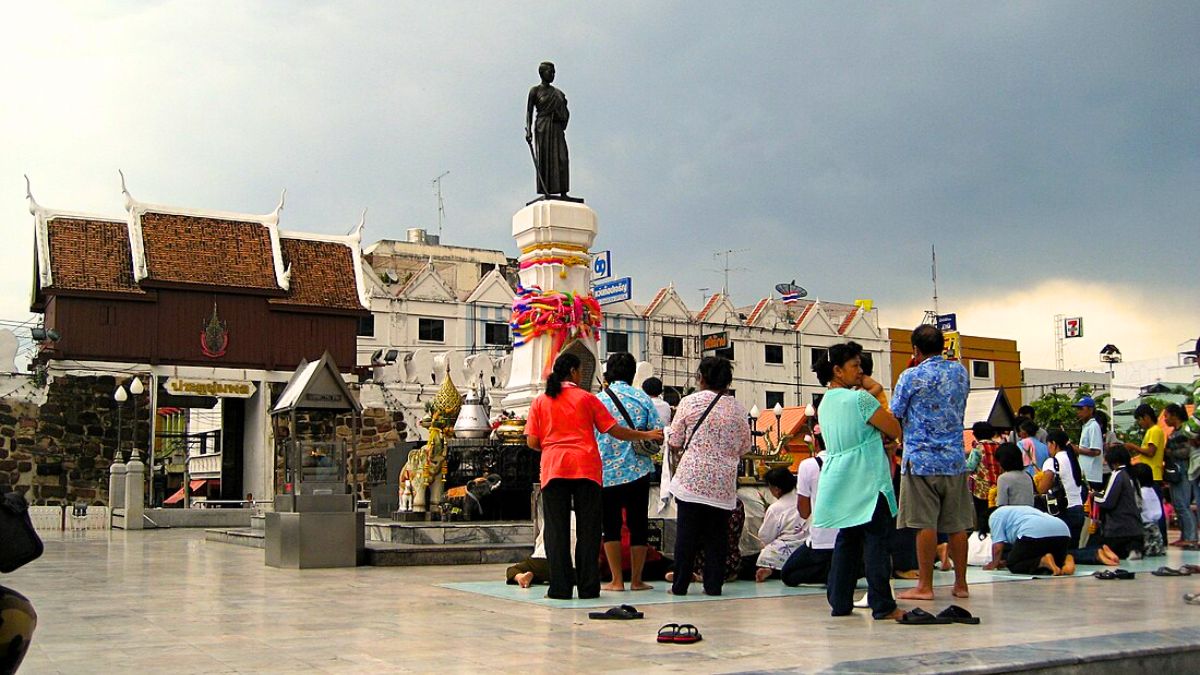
<point x="548" y="228"/>
<point x="116" y="483"/>
<point x="135" y="492"/>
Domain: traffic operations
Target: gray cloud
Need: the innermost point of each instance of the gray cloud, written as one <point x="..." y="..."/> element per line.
<point x="1029" y="140"/>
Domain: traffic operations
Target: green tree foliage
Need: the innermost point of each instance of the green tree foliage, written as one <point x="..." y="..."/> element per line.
<point x="1057" y="411"/>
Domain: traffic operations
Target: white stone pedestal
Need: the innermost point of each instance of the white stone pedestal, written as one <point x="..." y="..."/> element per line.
<point x="549" y="228"/>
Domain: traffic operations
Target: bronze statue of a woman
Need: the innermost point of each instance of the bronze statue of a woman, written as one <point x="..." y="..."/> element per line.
<point x="547" y="135"/>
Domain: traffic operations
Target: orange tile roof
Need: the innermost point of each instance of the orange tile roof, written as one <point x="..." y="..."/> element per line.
<point x="210" y="251"/>
<point x="708" y="306"/>
<point x="792" y="421"/>
<point x="658" y="298"/>
<point x="758" y="308"/>
<point x="846" y="321"/>
<point x="90" y="255"/>
<point x="804" y="314"/>
<point x="322" y="274"/>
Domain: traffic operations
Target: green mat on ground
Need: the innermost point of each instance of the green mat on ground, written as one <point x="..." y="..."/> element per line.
<point x="737" y="590"/>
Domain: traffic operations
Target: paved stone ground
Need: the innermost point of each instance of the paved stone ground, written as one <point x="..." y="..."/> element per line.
<point x="168" y="601"/>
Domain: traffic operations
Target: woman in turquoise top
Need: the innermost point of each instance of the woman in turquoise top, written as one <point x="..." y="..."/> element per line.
<point x="856" y="484"/>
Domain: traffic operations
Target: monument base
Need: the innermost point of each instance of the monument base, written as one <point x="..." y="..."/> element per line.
<point x="559" y="198"/>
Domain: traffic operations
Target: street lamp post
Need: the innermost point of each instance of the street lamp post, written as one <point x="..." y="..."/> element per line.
<point x="120" y="397"/>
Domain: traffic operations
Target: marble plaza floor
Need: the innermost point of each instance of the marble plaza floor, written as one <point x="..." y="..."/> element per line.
<point x="170" y="602"/>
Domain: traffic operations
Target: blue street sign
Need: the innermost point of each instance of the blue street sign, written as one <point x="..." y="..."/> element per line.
<point x="616" y="290"/>
<point x="601" y="265"/>
<point x="947" y="323"/>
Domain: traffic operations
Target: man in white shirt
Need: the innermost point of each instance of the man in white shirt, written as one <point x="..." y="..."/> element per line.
<point x="654" y="389"/>
<point x="1091" y="444"/>
<point x="809" y="564"/>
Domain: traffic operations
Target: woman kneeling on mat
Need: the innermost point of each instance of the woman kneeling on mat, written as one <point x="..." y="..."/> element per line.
<point x="1039" y="542"/>
<point x="1120" y="515"/>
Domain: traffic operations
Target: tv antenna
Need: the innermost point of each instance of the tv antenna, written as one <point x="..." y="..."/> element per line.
<point x="441" y="206"/>
<point x="931" y="315"/>
<point x="726" y="269"/>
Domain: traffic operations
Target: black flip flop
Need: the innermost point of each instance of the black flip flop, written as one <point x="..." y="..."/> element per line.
<point x="919" y="617"/>
<point x="622" y="613"/>
<point x="667" y="633"/>
<point x="687" y="635"/>
<point x="1123" y="574"/>
<point x="1170" y="572"/>
<point x="1104" y="575"/>
<point x="959" y="615"/>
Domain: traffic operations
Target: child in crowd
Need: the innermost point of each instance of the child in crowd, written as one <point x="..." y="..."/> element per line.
<point x="1121" y="531"/>
<point x="783" y="530"/>
<point x="1152" y="512"/>
<point x="1014" y="487"/>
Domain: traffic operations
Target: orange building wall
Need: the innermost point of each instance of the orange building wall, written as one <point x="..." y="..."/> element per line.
<point x="1004" y="355"/>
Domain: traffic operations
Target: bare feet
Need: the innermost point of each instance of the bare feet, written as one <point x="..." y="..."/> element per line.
<point x="524" y="579"/>
<point x="894" y="616"/>
<point x="1047" y="561"/>
<point x="1106" y="556"/>
<point x="669" y="577"/>
<point x="1068" y="567"/>
<point x="907" y="574"/>
<point x="640" y="586"/>
<point x="613" y="586"/>
<point x="762" y="574"/>
<point x="960" y="591"/>
<point x="917" y="593"/>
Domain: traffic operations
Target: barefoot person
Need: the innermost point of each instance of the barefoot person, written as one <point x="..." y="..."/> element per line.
<point x="930" y="400"/>
<point x="561" y="426"/>
<point x="626" y="494"/>
<point x="856" y="484"/>
<point x="1040" y="543"/>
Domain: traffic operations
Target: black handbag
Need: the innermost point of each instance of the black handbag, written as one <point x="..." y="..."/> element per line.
<point x="19" y="542"/>
<point x="1055" y="499"/>
<point x="643" y="448"/>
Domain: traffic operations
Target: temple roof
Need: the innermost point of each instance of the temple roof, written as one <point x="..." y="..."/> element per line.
<point x="189" y="249"/>
<point x="90" y="254"/>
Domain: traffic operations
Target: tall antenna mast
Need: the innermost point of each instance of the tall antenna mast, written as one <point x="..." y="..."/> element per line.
<point x="726" y="269"/>
<point x="441" y="206"/>
<point x="1059" y="361"/>
<point x="933" y="253"/>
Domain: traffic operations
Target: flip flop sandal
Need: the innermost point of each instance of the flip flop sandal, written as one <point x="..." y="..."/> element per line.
<point x="958" y="615"/>
<point x="919" y="617"/>
<point x="622" y="613"/>
<point x="1105" y="575"/>
<point x="1124" y="574"/>
<point x="1193" y="569"/>
<point x="687" y="635"/>
<point x="1169" y="572"/>
<point x="1192" y="598"/>
<point x="667" y="633"/>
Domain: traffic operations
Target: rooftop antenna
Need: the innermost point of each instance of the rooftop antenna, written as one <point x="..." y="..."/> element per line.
<point x="441" y="206"/>
<point x="704" y="294"/>
<point x="726" y="269"/>
<point x="931" y="316"/>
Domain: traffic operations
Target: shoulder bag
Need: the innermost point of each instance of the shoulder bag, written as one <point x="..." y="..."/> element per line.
<point x="643" y="448"/>
<point x="677" y="455"/>
<point x="19" y="542"/>
<point x="1054" y="501"/>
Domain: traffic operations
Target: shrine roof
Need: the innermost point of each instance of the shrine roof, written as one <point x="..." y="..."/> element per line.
<point x="90" y="254"/>
<point x="194" y="249"/>
<point x="322" y="274"/>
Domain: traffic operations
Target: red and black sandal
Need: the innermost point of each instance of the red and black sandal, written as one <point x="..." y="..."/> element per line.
<point x="667" y="633"/>
<point x="687" y="635"/>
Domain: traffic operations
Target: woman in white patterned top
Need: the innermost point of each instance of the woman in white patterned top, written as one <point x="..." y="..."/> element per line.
<point x="705" y="483"/>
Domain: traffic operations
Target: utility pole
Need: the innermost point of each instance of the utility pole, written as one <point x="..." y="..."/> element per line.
<point x="441" y="206"/>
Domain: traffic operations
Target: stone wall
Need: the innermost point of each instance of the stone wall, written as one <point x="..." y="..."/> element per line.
<point x="59" y="452"/>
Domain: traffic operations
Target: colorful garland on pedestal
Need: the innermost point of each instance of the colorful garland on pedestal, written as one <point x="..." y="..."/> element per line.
<point x="563" y="316"/>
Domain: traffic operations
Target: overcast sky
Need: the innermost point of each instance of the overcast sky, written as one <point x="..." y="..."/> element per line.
<point x="1051" y="150"/>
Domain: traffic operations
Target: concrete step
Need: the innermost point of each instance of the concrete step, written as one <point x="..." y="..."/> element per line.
<point x="381" y="554"/>
<point x="240" y="536"/>
<point x="469" y="532"/>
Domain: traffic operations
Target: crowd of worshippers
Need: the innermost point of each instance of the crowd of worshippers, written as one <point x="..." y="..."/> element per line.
<point x="890" y="491"/>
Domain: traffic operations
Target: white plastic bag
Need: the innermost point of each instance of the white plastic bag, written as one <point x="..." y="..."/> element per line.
<point x="979" y="549"/>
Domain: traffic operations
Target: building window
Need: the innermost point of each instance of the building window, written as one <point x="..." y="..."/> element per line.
<point x="981" y="369"/>
<point x="431" y="330"/>
<point x="672" y="345"/>
<point x="817" y="354"/>
<point x="726" y="352"/>
<point x="496" y="334"/>
<point x="366" y="326"/>
<point x="774" y="354"/>
<point x="774" y="398"/>
<point x="616" y="342"/>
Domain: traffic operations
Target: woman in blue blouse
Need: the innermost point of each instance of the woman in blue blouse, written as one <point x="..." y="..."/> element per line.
<point x="626" y="473"/>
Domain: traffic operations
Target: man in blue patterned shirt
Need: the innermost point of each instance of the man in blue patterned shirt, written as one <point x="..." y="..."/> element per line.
<point x="930" y="400"/>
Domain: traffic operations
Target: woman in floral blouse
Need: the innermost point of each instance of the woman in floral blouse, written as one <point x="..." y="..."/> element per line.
<point x="626" y="473"/>
<point x="705" y="483"/>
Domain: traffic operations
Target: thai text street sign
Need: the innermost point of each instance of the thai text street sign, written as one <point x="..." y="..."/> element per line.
<point x="616" y="290"/>
<point x="225" y="388"/>
<point x="1073" y="327"/>
<point x="601" y="265"/>
<point x="947" y="322"/>
<point x="714" y="341"/>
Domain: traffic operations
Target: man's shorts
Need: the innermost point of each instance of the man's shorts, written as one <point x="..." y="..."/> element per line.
<point x="936" y="502"/>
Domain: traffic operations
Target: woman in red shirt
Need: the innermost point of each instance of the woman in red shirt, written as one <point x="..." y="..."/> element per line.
<point x="560" y="426"/>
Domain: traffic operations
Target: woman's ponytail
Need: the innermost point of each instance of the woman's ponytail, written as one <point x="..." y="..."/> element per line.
<point x="563" y="366"/>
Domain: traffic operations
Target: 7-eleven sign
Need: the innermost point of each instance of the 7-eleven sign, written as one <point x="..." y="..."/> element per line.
<point x="1073" y="327"/>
